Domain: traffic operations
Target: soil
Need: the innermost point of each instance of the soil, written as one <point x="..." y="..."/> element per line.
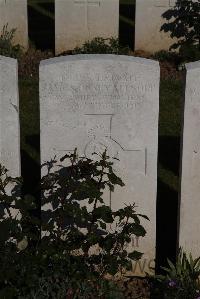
<point x="135" y="288"/>
<point x="29" y="64"/>
<point x="168" y="69"/>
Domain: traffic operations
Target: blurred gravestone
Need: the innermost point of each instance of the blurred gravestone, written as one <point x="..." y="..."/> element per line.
<point x="148" y="22"/>
<point x="9" y="120"/>
<point x="77" y="21"/>
<point x="41" y="23"/>
<point x="98" y="102"/>
<point x="127" y="22"/>
<point x="190" y="180"/>
<point x="14" y="13"/>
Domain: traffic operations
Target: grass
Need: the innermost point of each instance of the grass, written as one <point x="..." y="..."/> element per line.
<point x="170" y="107"/>
<point x="171" y="100"/>
<point x="29" y="117"/>
<point x="170" y="116"/>
<point x="30" y="137"/>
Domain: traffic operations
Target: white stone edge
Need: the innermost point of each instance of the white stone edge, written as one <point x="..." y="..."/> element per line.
<point x="192" y="65"/>
<point x="9" y="60"/>
<point x="13" y="62"/>
<point x="111" y="57"/>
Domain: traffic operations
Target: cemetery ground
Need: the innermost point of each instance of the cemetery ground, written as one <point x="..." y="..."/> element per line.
<point x="169" y="148"/>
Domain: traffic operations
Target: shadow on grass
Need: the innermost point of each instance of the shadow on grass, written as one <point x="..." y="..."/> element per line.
<point x="167" y="202"/>
<point x="127" y="23"/>
<point x="31" y="173"/>
<point x="167" y="208"/>
<point x="34" y="142"/>
<point x="41" y="23"/>
<point x="169" y="153"/>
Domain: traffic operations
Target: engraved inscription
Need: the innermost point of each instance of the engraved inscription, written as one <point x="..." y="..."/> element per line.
<point x="172" y="3"/>
<point x="165" y="3"/>
<point x="6" y="155"/>
<point x="162" y="3"/>
<point x="124" y="92"/>
<point x="195" y="163"/>
<point x="194" y="92"/>
<point x="87" y="2"/>
<point x="135" y="241"/>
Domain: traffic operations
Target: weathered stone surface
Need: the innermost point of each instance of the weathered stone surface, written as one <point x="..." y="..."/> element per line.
<point x="14" y="13"/>
<point x="9" y="116"/>
<point x="77" y="21"/>
<point x="190" y="176"/>
<point x="94" y="102"/>
<point x="148" y="22"/>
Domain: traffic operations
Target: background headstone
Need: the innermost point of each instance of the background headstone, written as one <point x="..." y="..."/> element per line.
<point x="148" y="22"/>
<point x="9" y="116"/>
<point x="190" y="179"/>
<point x="77" y="21"/>
<point x="41" y="24"/>
<point x="94" y="102"/>
<point x="14" y="13"/>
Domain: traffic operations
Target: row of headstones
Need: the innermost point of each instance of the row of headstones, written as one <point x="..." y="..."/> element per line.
<point x="77" y="21"/>
<point x="98" y="102"/>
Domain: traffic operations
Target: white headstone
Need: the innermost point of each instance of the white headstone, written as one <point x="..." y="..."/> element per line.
<point x="77" y="21"/>
<point x="190" y="178"/>
<point x="9" y="120"/>
<point x="14" y="13"/>
<point x="148" y="22"/>
<point x="94" y="102"/>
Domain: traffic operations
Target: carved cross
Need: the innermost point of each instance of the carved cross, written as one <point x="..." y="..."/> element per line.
<point x="128" y="160"/>
<point x="100" y="139"/>
<point x="88" y="4"/>
<point x="99" y="131"/>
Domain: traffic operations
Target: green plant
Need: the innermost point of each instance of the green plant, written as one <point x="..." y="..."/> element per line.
<point x="181" y="280"/>
<point x="167" y="56"/>
<point x="78" y="247"/>
<point x="7" y="48"/>
<point x="101" y="45"/>
<point x="79" y="219"/>
<point x="183" y="24"/>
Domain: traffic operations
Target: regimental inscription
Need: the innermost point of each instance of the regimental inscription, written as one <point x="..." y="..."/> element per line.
<point x="165" y="3"/>
<point x="7" y="155"/>
<point x="193" y="93"/>
<point x="135" y="241"/>
<point x="112" y="91"/>
<point x="87" y="2"/>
